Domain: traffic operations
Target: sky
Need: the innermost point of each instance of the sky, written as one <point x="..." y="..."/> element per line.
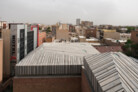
<point x="114" y="12"/>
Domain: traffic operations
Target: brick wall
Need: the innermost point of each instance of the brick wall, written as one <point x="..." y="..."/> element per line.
<point x="64" y="84"/>
<point x="85" y="87"/>
<point x="42" y="38"/>
<point x="134" y="36"/>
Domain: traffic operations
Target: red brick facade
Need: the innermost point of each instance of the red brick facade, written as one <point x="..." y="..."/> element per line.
<point x="57" y="84"/>
<point x="42" y="38"/>
<point x="134" y="36"/>
<point x="85" y="87"/>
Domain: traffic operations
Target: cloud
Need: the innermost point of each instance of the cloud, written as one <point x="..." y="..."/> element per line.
<point x="116" y="12"/>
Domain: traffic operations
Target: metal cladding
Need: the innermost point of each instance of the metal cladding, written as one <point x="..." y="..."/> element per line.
<point x="112" y="72"/>
<point x="55" y="59"/>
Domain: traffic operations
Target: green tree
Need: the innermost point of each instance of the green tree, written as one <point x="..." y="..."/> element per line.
<point x="131" y="49"/>
<point x="129" y="29"/>
<point x="48" y="30"/>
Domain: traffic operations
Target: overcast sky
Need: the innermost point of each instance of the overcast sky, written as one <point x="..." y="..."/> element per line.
<point x="115" y="12"/>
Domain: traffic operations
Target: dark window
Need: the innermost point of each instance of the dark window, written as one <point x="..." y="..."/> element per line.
<point x="136" y="35"/>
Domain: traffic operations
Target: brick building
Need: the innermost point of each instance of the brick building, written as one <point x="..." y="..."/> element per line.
<point x="42" y="38"/>
<point x="90" y="32"/>
<point x="61" y="63"/>
<point x="75" y="67"/>
<point x="134" y="36"/>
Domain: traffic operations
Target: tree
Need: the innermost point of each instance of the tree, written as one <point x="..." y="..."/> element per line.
<point x="48" y="30"/>
<point x="129" y="29"/>
<point x="131" y="49"/>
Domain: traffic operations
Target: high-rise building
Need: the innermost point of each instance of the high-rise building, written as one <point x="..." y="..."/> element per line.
<point x="24" y="39"/>
<point x="18" y="43"/>
<point x="77" y="22"/>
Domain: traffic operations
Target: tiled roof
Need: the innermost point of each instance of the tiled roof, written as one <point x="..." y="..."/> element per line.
<point x="112" y="72"/>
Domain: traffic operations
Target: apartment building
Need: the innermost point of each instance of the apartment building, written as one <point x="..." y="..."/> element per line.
<point x="125" y="36"/>
<point x="63" y="32"/>
<point x="87" y="23"/>
<point x="134" y="36"/>
<point x="90" y="32"/>
<point x="106" y="33"/>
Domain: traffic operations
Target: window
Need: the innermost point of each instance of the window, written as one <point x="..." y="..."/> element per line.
<point x="0" y="35"/>
<point x="136" y="35"/>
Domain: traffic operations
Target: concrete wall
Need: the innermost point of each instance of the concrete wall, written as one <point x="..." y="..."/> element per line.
<point x="134" y="36"/>
<point x="55" y="84"/>
<point x="1" y="60"/>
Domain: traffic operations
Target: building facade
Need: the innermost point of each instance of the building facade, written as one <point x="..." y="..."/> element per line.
<point x="42" y="38"/>
<point x="5" y="35"/>
<point x="77" y="22"/>
<point x="134" y="37"/>
<point x="1" y="60"/>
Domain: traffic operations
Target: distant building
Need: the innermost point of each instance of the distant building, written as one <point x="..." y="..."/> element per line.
<point x="134" y="36"/>
<point x="123" y="30"/>
<point x="90" y="32"/>
<point x="106" y="33"/>
<point x="125" y="36"/>
<point x="92" y="40"/>
<point x="80" y="30"/>
<point x="53" y="29"/>
<point x="62" y="32"/>
<point x="82" y="39"/>
<point x="42" y="38"/>
<point x="77" y="22"/>
<point x="3" y="25"/>
<point x="105" y="27"/>
<point x="87" y="23"/>
<point x="113" y="42"/>
<point x="104" y="49"/>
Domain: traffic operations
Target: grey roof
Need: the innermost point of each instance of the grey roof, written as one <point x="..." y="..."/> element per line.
<point x="112" y="72"/>
<point x="134" y="59"/>
<point x="55" y="59"/>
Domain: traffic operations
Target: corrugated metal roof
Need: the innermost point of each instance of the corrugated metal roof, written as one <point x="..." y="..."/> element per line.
<point x="112" y="72"/>
<point x="55" y="58"/>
